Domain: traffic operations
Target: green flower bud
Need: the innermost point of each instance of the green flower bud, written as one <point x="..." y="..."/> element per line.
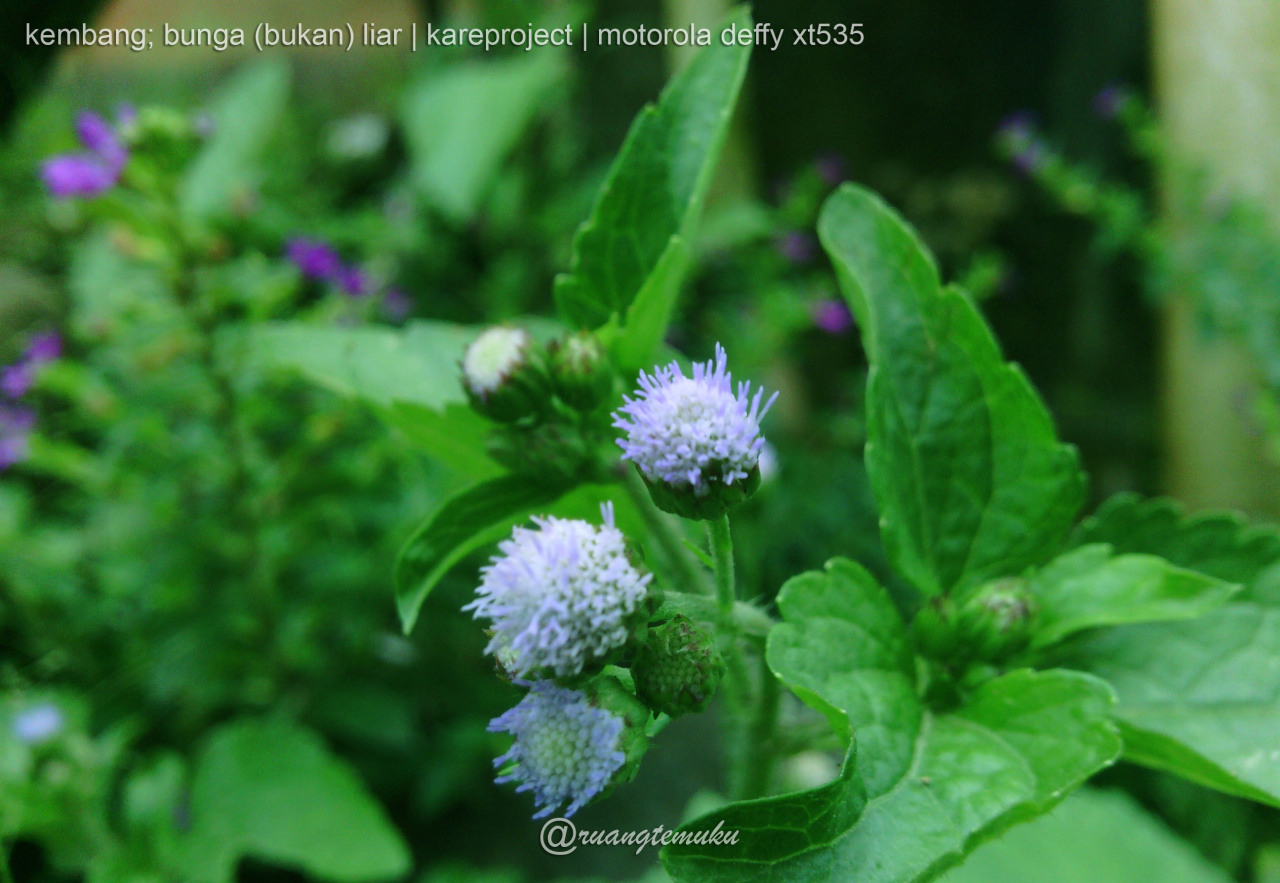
<point x="679" y="667"/>
<point x="607" y="692"/>
<point x="504" y="374"/>
<point x="580" y="371"/>
<point x="685" y="501"/>
<point x="933" y="630"/>
<point x="546" y="451"/>
<point x="997" y="621"/>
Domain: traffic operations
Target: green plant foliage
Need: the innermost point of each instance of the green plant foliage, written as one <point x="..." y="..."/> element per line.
<point x="245" y="115"/>
<point x="653" y="194"/>
<point x="479" y="515"/>
<point x="936" y="784"/>
<point x="1220" y="544"/>
<point x="1089" y="587"/>
<point x="463" y="121"/>
<point x="271" y="790"/>
<point x="1092" y="837"/>
<point x="970" y="478"/>
<point x="1199" y="699"/>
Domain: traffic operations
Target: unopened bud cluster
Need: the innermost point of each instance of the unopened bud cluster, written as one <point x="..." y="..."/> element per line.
<point x="991" y="625"/>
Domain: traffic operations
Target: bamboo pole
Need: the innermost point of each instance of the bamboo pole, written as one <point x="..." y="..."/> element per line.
<point x="1218" y="81"/>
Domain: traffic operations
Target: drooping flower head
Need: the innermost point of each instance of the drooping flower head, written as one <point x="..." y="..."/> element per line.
<point x="566" y="750"/>
<point x="696" y="435"/>
<point x="561" y="596"/>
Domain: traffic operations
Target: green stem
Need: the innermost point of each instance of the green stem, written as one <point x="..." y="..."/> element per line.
<point x="721" y="544"/>
<point x="690" y="576"/>
<point x="760" y="741"/>
<point x="6" y="876"/>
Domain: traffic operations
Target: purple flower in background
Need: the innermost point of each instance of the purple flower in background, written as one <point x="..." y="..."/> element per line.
<point x="100" y="138"/>
<point x="1109" y="101"/>
<point x="832" y="316"/>
<point x="832" y="169"/>
<point x="76" y="174"/>
<point x="353" y="281"/>
<point x="91" y="173"/>
<point x="38" y="724"/>
<point x="16" y="379"/>
<point x="797" y="246"/>
<point x="1018" y="135"/>
<point x="315" y="258"/>
<point x="396" y="305"/>
<point x="44" y="347"/>
<point x="15" y="431"/>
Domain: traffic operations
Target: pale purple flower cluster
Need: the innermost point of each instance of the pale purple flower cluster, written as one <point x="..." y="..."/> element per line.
<point x="566" y="750"/>
<point x="93" y="171"/>
<point x="560" y="596"/>
<point x="690" y="432"/>
<point x="16" y="422"/>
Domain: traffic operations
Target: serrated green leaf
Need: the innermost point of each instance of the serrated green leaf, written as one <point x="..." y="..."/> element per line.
<point x="1200" y="699"/>
<point x="1125" y="843"/>
<point x="480" y="514"/>
<point x="936" y="785"/>
<point x="461" y="123"/>
<point x="656" y="186"/>
<point x="971" y="480"/>
<point x="1089" y="587"/>
<point x="245" y="114"/>
<point x="271" y="790"/>
<point x="1220" y="544"/>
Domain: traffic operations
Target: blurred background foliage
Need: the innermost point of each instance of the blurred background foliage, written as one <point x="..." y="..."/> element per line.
<point x="195" y="610"/>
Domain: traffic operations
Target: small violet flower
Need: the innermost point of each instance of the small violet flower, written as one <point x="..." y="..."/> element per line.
<point x="566" y="750"/>
<point x="91" y="173"/>
<point x="832" y="169"/>
<point x="313" y="258"/>
<point x="694" y="432"/>
<point x="797" y="246"/>
<point x="1018" y="136"/>
<point x="38" y="724"/>
<point x="1110" y="101"/>
<point x="396" y="305"/>
<point x="832" y="316"/>
<point x="560" y="597"/>
<point x="15" y="432"/>
<point x="16" y="379"/>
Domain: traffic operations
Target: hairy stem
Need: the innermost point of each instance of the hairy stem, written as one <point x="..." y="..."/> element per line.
<point x="721" y="544"/>
<point x="761" y="750"/>
<point x="691" y="576"/>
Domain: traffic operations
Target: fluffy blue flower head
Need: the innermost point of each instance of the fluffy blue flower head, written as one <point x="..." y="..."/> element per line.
<point x="695" y="436"/>
<point x="560" y="597"/>
<point x="566" y="750"/>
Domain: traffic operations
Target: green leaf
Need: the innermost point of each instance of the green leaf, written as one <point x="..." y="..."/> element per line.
<point x="480" y="514"/>
<point x="271" y="790"/>
<point x="650" y="314"/>
<point x="1089" y="587"/>
<point x="1125" y="843"/>
<point x="379" y="366"/>
<point x="462" y="121"/>
<point x="245" y="113"/>
<point x="970" y="478"/>
<point x="410" y="377"/>
<point x="1200" y="699"/>
<point x="1220" y="544"/>
<point x="656" y="187"/>
<point x="936" y="785"/>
